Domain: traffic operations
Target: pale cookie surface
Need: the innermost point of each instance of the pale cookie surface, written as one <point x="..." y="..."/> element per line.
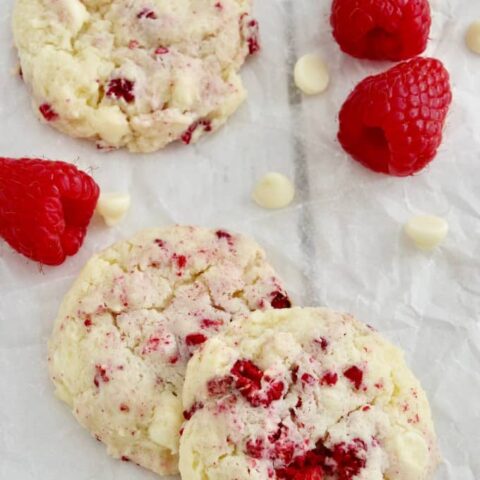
<point x="133" y="319"/>
<point x="304" y="394"/>
<point x="135" y="73"/>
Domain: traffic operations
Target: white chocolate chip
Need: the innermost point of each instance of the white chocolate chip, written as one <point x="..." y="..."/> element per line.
<point x="73" y="13"/>
<point x="311" y="74"/>
<point x="185" y="92"/>
<point x="274" y="190"/>
<point x="167" y="422"/>
<point x="472" y="38"/>
<point x="113" y="207"/>
<point x="426" y="231"/>
<point x="111" y="123"/>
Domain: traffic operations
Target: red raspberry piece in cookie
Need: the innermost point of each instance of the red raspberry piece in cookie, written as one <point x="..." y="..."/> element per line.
<point x="45" y="208"/>
<point x="248" y="380"/>
<point x="393" y="122"/>
<point x="381" y="29"/>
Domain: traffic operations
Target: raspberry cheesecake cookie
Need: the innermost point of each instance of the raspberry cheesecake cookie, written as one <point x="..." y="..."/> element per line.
<point x="304" y="394"/>
<point x="135" y="73"/>
<point x="133" y="319"/>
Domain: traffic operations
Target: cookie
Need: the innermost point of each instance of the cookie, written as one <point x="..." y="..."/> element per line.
<point x="304" y="394"/>
<point x="134" y="73"/>
<point x="133" y="319"/>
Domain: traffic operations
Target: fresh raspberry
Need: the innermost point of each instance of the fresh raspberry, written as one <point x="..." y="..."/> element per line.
<point x="219" y="386"/>
<point x="392" y="122"/>
<point x="381" y="29"/>
<point x="45" y="208"/>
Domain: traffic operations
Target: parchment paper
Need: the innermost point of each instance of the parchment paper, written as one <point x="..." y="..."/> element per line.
<point x="340" y="244"/>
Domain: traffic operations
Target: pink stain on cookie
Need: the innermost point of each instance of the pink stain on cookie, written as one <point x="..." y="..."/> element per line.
<point x="180" y="260"/>
<point x="415" y="419"/>
<point x="133" y="44"/>
<point x="219" y="386"/>
<point x="280" y="300"/>
<point x="152" y="345"/>
<point x="121" y="88"/>
<point x="206" y="323"/>
<point x="173" y="360"/>
<point x="161" y="50"/>
<point x="100" y="375"/>
<point x="49" y="114"/>
<point x="355" y="375"/>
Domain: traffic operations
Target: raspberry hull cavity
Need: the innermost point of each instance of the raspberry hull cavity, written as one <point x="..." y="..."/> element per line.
<point x="381" y="29"/>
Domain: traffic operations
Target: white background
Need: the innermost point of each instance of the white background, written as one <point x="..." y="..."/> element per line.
<point x="340" y="244"/>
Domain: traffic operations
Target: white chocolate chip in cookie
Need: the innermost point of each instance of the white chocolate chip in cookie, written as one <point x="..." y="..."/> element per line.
<point x="113" y="207"/>
<point x="426" y="231"/>
<point x="185" y="92"/>
<point x="311" y="74"/>
<point x="73" y="13"/>
<point x="472" y="38"/>
<point x="274" y="190"/>
<point x="166" y="420"/>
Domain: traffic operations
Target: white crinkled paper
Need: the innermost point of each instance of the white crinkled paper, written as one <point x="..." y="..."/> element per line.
<point x="340" y="244"/>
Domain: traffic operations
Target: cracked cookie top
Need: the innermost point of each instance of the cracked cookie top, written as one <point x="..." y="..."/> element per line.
<point x="134" y="73"/>
<point x="304" y="394"/>
<point x="132" y="321"/>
